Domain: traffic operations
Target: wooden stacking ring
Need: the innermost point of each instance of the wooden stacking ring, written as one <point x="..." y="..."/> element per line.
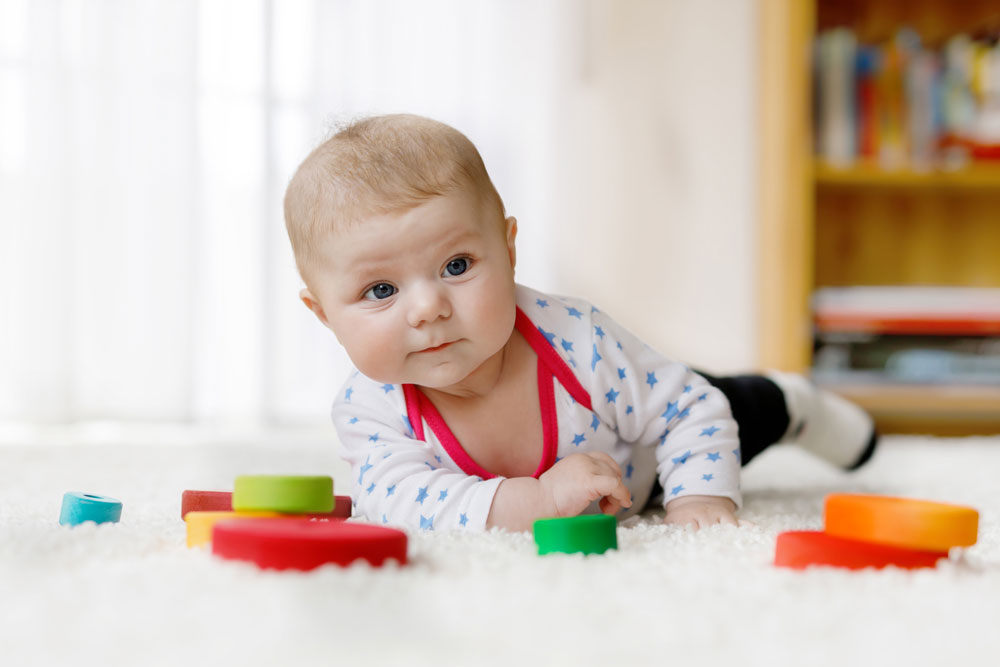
<point x="800" y="549"/>
<point x="200" y="524"/>
<point x="222" y="501"/>
<point x="304" y="544"/>
<point x="289" y="494"/>
<point x="588" y="534"/>
<point x="901" y="522"/>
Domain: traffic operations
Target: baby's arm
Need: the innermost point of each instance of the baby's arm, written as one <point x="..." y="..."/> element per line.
<point x="565" y="489"/>
<point x="397" y="479"/>
<point x="655" y="402"/>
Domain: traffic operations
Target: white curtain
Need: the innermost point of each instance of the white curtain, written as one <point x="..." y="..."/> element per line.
<point x="144" y="149"/>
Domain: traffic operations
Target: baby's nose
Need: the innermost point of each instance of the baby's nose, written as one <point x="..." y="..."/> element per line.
<point x="427" y="303"/>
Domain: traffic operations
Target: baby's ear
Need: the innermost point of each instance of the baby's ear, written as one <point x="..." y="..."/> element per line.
<point x="511" y="237"/>
<point x="312" y="303"/>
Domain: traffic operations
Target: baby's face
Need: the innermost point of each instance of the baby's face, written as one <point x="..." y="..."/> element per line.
<point x="422" y="296"/>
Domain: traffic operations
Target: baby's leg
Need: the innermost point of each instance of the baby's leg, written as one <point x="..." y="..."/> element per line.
<point x="784" y="407"/>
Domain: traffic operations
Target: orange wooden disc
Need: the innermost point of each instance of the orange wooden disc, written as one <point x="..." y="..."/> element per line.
<point x="800" y="549"/>
<point x="901" y="522"/>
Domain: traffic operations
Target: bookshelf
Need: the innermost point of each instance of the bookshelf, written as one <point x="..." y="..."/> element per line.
<point x="826" y="225"/>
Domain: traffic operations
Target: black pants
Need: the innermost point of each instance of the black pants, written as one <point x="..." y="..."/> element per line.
<point x="759" y="410"/>
<point x="758" y="407"/>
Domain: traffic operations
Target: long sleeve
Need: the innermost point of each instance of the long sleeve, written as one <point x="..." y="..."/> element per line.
<point x="397" y="479"/>
<point x="648" y="399"/>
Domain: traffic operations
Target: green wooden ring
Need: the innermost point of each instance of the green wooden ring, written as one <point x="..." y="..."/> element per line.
<point x="588" y="534"/>
<point x="289" y="494"/>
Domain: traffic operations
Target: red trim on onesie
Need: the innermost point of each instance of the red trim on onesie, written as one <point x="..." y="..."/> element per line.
<point x="548" y="354"/>
<point x="550" y="368"/>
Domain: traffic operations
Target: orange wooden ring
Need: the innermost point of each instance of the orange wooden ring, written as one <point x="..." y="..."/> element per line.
<point x="901" y="522"/>
<point x="800" y="549"/>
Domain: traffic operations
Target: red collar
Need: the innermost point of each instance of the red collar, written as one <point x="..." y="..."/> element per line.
<point x="551" y="367"/>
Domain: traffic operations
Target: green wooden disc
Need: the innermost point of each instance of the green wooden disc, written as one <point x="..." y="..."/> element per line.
<point x="290" y="494"/>
<point x="588" y="534"/>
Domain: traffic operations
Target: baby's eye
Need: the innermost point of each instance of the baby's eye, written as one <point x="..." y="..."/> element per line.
<point x="457" y="267"/>
<point x="380" y="291"/>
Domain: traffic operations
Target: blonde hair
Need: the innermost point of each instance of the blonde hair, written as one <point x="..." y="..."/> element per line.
<point x="379" y="165"/>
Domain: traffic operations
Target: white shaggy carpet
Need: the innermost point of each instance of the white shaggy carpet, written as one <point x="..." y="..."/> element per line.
<point x="132" y="594"/>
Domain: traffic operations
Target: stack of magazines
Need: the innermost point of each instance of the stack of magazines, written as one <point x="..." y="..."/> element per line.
<point x="907" y="335"/>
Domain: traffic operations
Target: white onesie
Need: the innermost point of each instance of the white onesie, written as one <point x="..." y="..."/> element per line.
<point x="600" y="389"/>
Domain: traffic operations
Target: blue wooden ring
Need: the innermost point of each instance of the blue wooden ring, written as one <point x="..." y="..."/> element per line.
<point x="78" y="507"/>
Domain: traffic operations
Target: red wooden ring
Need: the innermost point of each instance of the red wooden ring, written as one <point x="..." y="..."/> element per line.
<point x="222" y="501"/>
<point x="206" y="501"/>
<point x="303" y="544"/>
<point x="800" y="549"/>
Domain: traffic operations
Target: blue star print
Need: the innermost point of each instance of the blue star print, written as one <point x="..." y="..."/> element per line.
<point x="551" y="337"/>
<point x="599" y="332"/>
<point x="628" y="471"/>
<point x="373" y="437"/>
<point x="595" y="359"/>
<point x="578" y="438"/>
<point x="347" y="394"/>
<point x="687" y="389"/>
<point x="683" y="413"/>
<point x="677" y="489"/>
<point x="683" y="458"/>
<point x="621" y="373"/>
<point x="370" y="488"/>
<point x="385" y="519"/>
<point x="443" y="495"/>
<point x="566" y="345"/>
<point x="365" y="468"/>
<point x="713" y="456"/>
<point x="612" y="395"/>
<point x="707" y="477"/>
<point x="422" y="495"/>
<point x="542" y="303"/>
<point x="651" y="379"/>
<point x="462" y="518"/>
<point x="390" y="490"/>
<point x="710" y="431"/>
<point x="573" y="312"/>
<point x="628" y="410"/>
<point x="703" y="397"/>
<point x="595" y="422"/>
<point x="671" y="411"/>
<point x="409" y="426"/>
<point x="388" y="387"/>
<point x="425" y="523"/>
<point x="353" y="420"/>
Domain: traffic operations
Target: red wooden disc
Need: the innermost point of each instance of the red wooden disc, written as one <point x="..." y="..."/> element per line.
<point x="304" y="544"/>
<point x="800" y="549"/>
<point x="222" y="501"/>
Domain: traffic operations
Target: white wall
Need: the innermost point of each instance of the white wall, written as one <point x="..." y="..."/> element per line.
<point x="655" y="203"/>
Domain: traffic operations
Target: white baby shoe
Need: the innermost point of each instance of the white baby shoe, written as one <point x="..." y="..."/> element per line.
<point x="825" y="424"/>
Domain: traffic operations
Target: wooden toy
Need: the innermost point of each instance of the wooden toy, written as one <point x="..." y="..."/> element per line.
<point x="588" y="534"/>
<point x="288" y="494"/>
<point x="222" y="501"/>
<point x="301" y="544"/>
<point x="901" y="522"/>
<point x="206" y="501"/>
<point x="200" y="524"/>
<point x="79" y="507"/>
<point x="800" y="549"/>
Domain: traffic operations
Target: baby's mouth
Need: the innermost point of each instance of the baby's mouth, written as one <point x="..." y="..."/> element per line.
<point x="436" y="348"/>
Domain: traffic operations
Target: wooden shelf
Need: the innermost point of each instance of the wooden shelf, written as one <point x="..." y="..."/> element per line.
<point x="976" y="175"/>
<point x="941" y="409"/>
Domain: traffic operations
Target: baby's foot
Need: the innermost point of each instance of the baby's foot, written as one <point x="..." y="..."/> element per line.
<point x="825" y="424"/>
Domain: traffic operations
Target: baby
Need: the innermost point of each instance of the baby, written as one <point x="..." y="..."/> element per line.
<point x="478" y="402"/>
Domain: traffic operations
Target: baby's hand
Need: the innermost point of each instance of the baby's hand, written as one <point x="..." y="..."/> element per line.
<point x="579" y="479"/>
<point x="700" y="511"/>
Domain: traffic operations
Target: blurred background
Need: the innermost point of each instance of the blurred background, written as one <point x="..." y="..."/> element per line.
<point x="805" y="185"/>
